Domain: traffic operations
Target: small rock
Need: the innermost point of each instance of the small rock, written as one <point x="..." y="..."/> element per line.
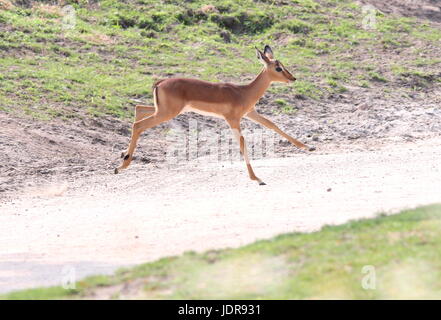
<point x="98" y="140"/>
<point x="147" y="34"/>
<point x="329" y="190"/>
<point x="226" y="36"/>
<point x="123" y="131"/>
<point x="209" y="8"/>
<point x="284" y="143"/>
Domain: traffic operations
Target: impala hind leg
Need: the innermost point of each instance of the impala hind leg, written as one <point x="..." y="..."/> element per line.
<point x="141" y="112"/>
<point x="137" y="129"/>
<point x="254" y="116"/>
<point x="235" y="127"/>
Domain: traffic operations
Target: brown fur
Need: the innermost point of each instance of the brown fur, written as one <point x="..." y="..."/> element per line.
<point x="225" y="100"/>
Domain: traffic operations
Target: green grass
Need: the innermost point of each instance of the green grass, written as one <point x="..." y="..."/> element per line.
<point x="118" y="49"/>
<point x="403" y="249"/>
<point x="375" y="76"/>
<point x="284" y="107"/>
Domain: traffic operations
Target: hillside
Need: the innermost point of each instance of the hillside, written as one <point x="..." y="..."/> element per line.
<point x="67" y="94"/>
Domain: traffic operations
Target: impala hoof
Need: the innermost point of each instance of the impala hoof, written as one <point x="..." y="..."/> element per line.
<point x="312" y="149"/>
<point x="116" y="171"/>
<point x="261" y="183"/>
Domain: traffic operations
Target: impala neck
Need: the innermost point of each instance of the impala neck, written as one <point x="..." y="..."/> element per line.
<point x="257" y="87"/>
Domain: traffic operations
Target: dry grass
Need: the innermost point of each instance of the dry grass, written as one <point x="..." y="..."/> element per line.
<point x="6" y="5"/>
<point x="98" y="38"/>
<point x="54" y="10"/>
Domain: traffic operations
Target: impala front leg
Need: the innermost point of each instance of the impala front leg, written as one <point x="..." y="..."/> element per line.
<point x="235" y="127"/>
<point x="254" y="116"/>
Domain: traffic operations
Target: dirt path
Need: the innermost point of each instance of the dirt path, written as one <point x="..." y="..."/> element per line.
<point x="105" y="221"/>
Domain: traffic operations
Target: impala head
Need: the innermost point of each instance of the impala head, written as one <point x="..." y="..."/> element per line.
<point x="275" y="68"/>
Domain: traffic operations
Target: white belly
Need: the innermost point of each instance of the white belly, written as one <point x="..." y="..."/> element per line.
<point x="202" y="112"/>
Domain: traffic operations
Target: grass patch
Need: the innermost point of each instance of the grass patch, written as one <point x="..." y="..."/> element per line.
<point x="284" y="107"/>
<point x="402" y="249"/>
<point x="118" y="49"/>
<point x="375" y="76"/>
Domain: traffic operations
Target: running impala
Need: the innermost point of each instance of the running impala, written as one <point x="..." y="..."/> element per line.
<point x="228" y="101"/>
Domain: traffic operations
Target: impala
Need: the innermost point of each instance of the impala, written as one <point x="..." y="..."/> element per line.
<point x="224" y="100"/>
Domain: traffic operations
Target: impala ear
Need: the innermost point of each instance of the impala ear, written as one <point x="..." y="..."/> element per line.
<point x="268" y="52"/>
<point x="262" y="58"/>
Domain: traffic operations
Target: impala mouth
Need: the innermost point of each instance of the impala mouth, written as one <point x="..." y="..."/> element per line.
<point x="290" y="78"/>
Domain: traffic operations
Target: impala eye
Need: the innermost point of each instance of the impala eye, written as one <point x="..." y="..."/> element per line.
<point x="278" y="69"/>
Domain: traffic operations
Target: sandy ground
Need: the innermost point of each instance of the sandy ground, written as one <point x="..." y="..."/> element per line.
<point x="104" y="221"/>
